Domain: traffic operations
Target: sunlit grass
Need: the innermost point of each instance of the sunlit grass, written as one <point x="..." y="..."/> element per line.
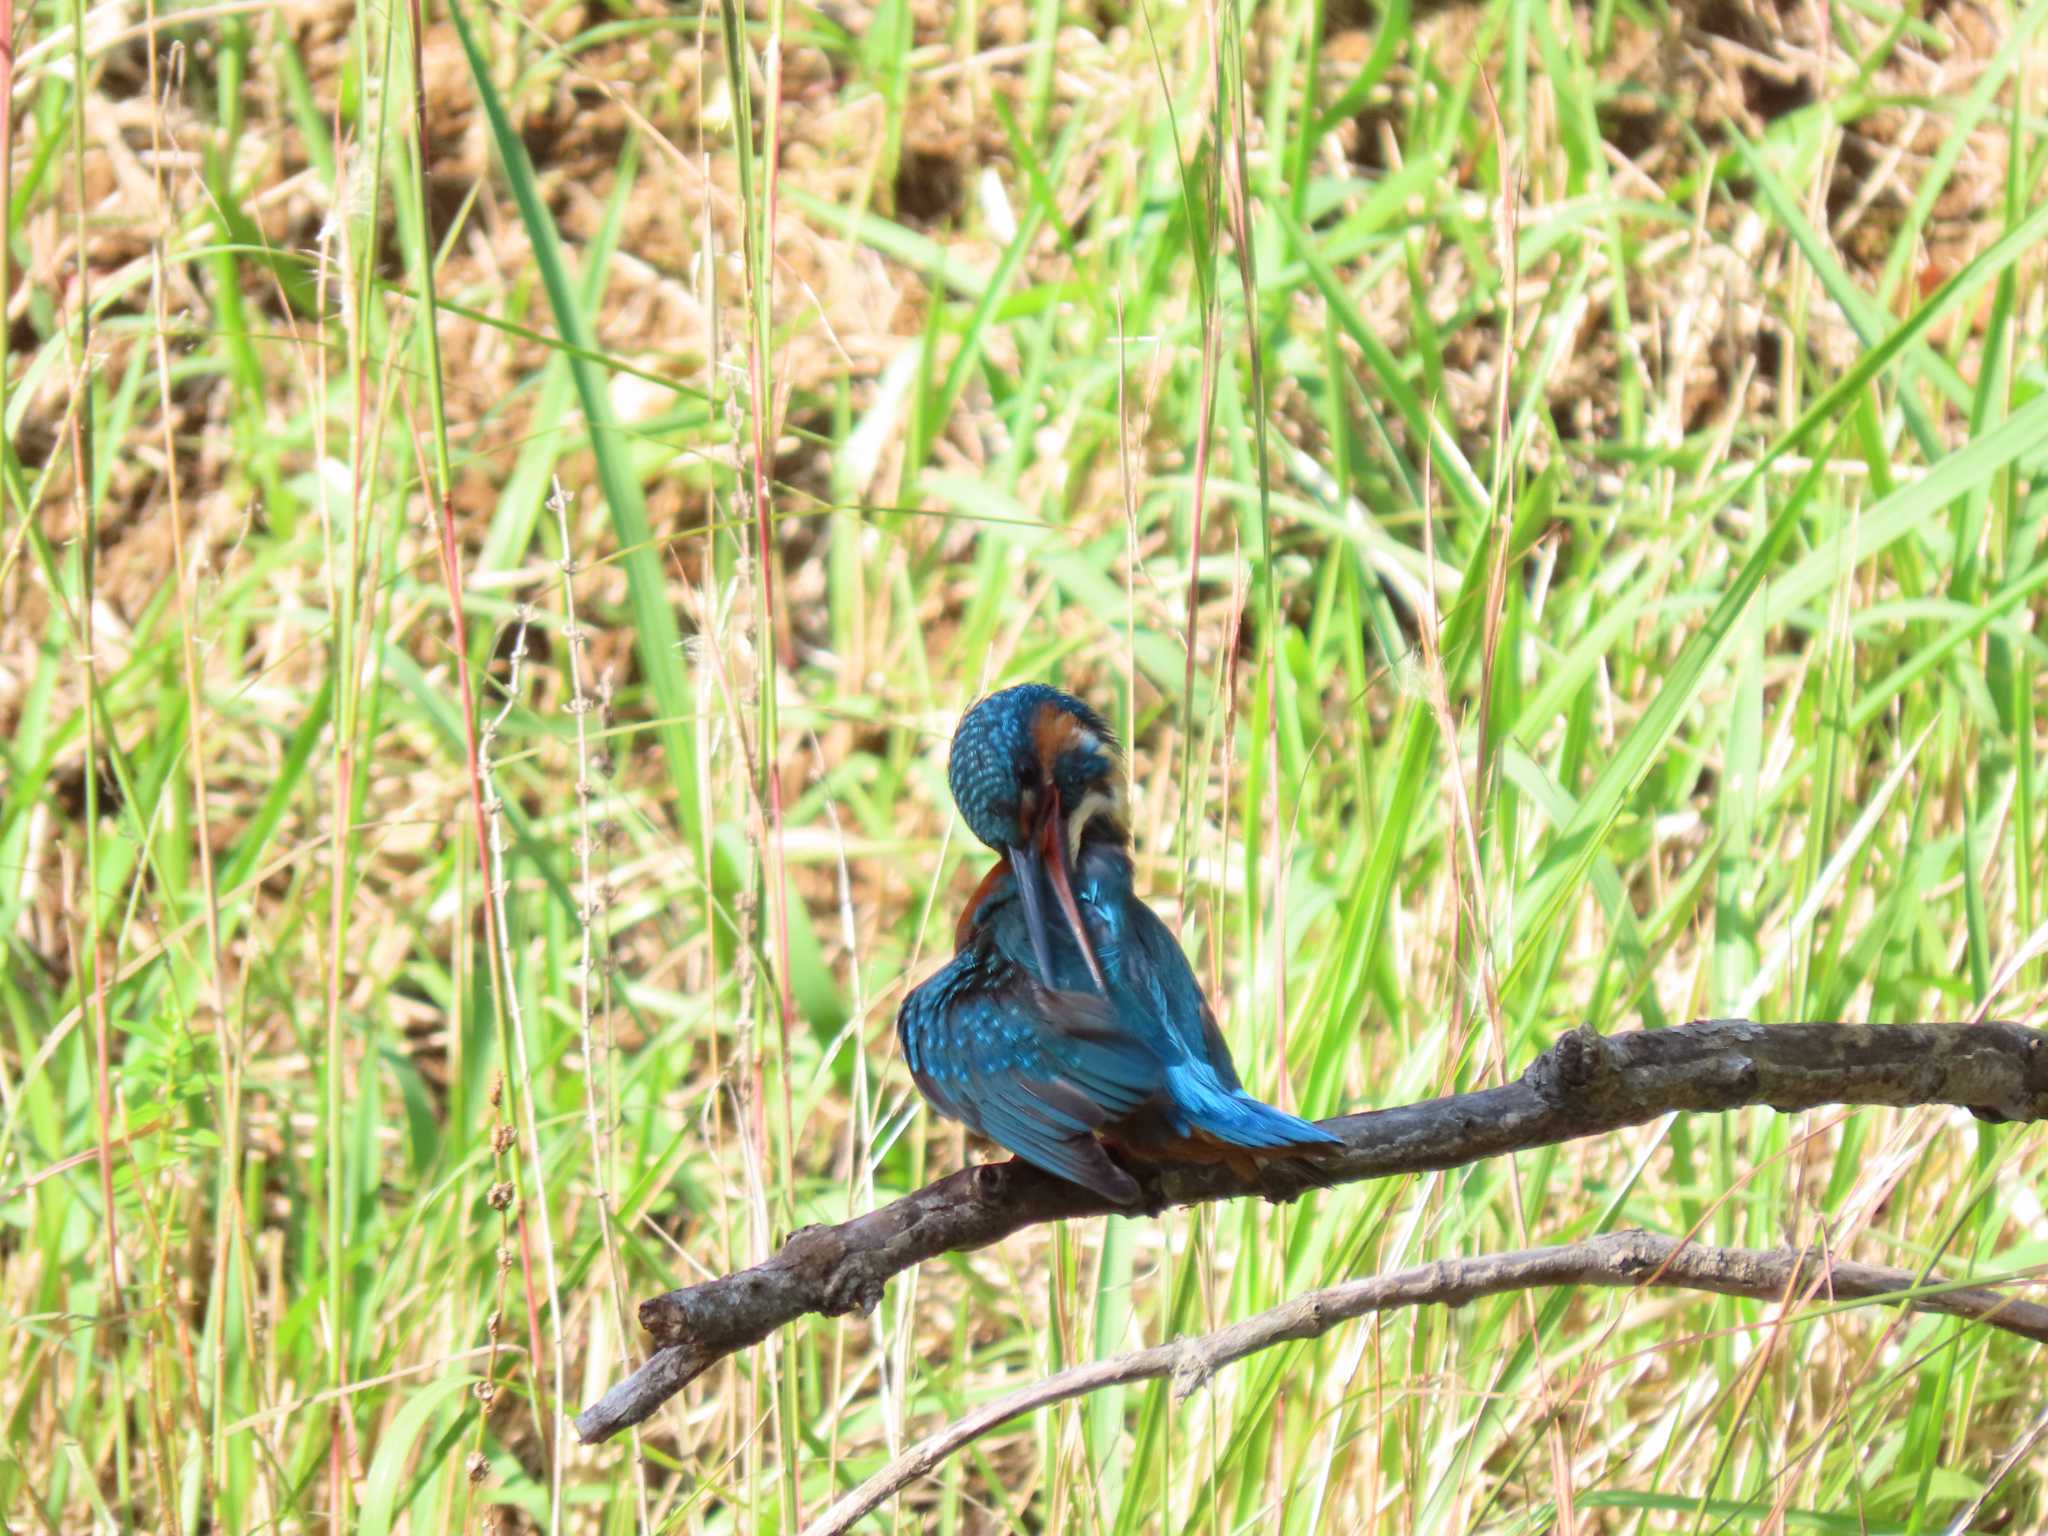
<point x="1673" y="656"/>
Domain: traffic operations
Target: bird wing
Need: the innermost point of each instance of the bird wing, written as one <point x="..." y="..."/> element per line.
<point x="1157" y="971"/>
<point x="1037" y="1071"/>
<point x="1211" y="1101"/>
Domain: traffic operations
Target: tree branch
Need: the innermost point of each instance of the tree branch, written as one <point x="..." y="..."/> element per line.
<point x="1623" y="1259"/>
<point x="1584" y="1085"/>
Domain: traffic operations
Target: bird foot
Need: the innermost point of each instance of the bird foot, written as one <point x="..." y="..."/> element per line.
<point x="992" y="1180"/>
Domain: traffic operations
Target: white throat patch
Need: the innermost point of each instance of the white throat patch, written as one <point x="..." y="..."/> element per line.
<point x="1097" y="802"/>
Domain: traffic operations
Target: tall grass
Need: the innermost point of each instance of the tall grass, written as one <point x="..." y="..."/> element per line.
<point x="1552" y="497"/>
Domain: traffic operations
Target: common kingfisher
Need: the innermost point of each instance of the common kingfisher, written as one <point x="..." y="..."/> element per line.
<point x="1068" y="1022"/>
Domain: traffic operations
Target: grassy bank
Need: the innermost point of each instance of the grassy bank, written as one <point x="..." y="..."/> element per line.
<point x="500" y="522"/>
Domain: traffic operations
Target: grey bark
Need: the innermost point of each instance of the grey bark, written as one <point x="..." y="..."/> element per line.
<point x="1584" y="1085"/>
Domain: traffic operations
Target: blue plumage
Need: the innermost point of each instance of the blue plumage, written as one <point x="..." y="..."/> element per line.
<point x="1068" y="1021"/>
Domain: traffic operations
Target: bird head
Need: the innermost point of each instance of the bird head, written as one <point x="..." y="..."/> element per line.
<point x="1033" y="769"/>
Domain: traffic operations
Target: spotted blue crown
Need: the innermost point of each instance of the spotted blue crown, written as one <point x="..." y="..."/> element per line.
<point x="1012" y="744"/>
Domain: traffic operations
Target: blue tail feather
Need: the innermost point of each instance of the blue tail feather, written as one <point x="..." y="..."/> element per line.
<point x="1234" y="1116"/>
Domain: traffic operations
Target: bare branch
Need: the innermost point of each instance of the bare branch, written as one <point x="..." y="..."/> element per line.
<point x="1624" y="1259"/>
<point x="1585" y="1085"/>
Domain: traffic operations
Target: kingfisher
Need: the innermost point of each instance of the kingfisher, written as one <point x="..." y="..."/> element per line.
<point x="1068" y="1026"/>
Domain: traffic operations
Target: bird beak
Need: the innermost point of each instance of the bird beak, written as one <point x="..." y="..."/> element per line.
<point x="1043" y="862"/>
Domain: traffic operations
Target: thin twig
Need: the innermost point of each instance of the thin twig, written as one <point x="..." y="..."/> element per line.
<point x="488" y="811"/>
<point x="593" y="902"/>
<point x="1585" y="1085"/>
<point x="1628" y="1260"/>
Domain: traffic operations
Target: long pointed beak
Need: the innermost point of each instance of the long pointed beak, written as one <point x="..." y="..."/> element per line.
<point x="1045" y="857"/>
